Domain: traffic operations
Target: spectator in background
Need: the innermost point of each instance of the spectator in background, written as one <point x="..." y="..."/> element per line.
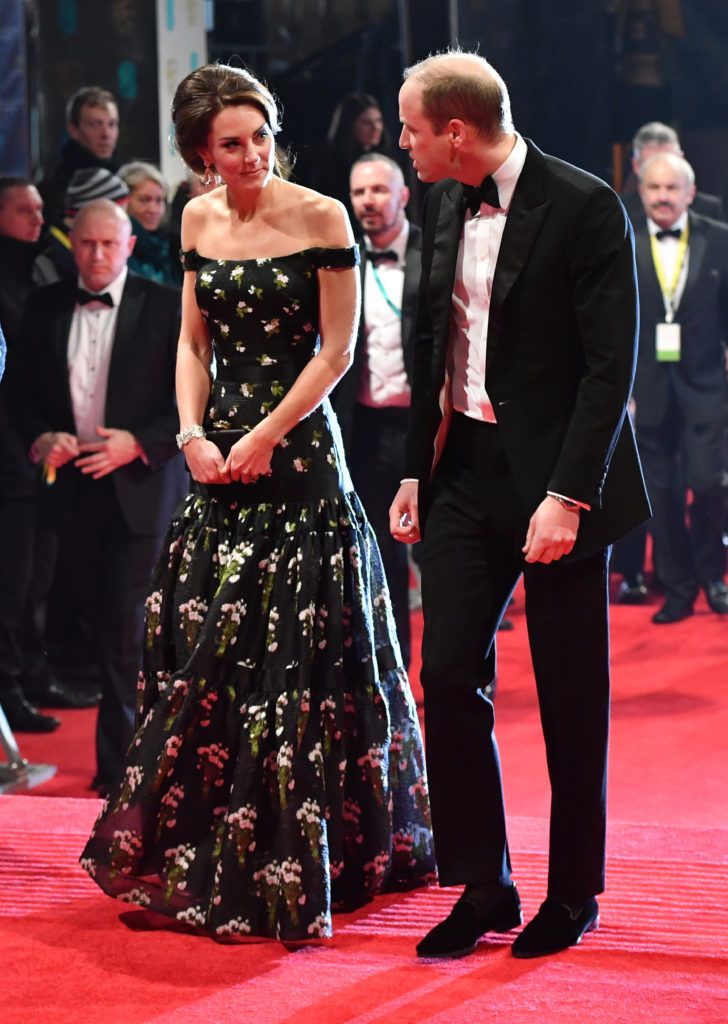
<point x="372" y="400"/>
<point x="107" y="427"/>
<point x="357" y="127"/>
<point x="92" y="122"/>
<point x="155" y="255"/>
<point x="680" y="389"/>
<point x="21" y="220"/>
<point x="56" y="262"/>
<point x="653" y="138"/>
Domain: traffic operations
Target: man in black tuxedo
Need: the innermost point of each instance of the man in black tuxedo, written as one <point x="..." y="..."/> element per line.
<point x="680" y="388"/>
<point x="372" y="400"/>
<point x="519" y="459"/>
<point x="95" y="402"/>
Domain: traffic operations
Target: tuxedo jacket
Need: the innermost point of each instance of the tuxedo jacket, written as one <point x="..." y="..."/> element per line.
<point x="140" y="395"/>
<point x="345" y="395"/>
<point x="560" y="348"/>
<point x="698" y="380"/>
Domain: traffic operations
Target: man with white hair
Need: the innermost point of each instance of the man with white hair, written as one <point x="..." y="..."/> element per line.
<point x="680" y="388"/>
<point x="649" y="140"/>
<point x="94" y="398"/>
<point x="519" y="460"/>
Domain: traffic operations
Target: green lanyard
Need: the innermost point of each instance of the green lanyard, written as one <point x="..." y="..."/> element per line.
<point x="395" y="309"/>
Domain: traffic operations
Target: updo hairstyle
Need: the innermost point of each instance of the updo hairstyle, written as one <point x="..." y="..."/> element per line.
<point x="203" y="94"/>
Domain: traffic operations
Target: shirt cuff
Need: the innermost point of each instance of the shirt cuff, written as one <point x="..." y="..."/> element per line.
<point x="409" y="480"/>
<point x="566" y="497"/>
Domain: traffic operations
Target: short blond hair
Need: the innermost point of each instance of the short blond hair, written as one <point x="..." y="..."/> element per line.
<point x="463" y="86"/>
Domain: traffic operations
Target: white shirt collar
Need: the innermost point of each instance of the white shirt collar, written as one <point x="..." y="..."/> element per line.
<point x="507" y="175"/>
<point x="398" y="244"/>
<point x="115" y="289"/>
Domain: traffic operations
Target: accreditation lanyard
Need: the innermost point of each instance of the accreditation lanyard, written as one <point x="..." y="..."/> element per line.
<point x="380" y="284"/>
<point x="670" y="287"/>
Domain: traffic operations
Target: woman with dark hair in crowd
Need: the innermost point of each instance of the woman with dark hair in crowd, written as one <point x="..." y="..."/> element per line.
<point x="356" y="127"/>
<point x="154" y="254"/>
<point x="278" y="765"/>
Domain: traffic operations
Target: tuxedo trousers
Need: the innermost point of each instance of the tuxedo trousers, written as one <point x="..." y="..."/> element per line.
<point x="112" y="568"/>
<point x="677" y="456"/>
<point x="375" y="461"/>
<point x="471" y="562"/>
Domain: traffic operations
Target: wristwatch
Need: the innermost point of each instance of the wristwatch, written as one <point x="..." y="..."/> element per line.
<point x="188" y="433"/>
<point x="570" y="506"/>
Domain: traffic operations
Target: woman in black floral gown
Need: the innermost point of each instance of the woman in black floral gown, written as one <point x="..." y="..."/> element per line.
<point x="278" y="766"/>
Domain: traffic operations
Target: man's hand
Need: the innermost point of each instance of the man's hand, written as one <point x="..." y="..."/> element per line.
<point x="404" y="520"/>
<point x="55" y="448"/>
<point x="551" y="532"/>
<point x="99" y="458"/>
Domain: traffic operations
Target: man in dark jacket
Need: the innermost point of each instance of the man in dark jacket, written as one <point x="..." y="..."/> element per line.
<point x="95" y="402"/>
<point x="92" y="122"/>
<point x="680" y="389"/>
<point x="21" y="220"/>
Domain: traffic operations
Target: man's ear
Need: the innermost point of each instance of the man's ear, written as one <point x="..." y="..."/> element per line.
<point x="404" y="197"/>
<point x="456" y="131"/>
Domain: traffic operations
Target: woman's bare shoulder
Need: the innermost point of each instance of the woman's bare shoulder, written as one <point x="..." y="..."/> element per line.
<point x="326" y="219"/>
<point x="196" y="213"/>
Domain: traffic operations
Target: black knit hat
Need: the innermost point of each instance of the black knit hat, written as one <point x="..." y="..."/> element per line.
<point x="93" y="183"/>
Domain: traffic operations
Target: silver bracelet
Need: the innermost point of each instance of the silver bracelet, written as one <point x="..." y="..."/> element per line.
<point x="188" y="433"/>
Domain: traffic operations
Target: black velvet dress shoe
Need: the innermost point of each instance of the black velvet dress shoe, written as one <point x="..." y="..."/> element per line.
<point x="717" y="595"/>
<point x="556" y="926"/>
<point x="672" y="611"/>
<point x="23" y="717"/>
<point x="55" y="694"/>
<point x="632" y="591"/>
<point x="458" y="934"/>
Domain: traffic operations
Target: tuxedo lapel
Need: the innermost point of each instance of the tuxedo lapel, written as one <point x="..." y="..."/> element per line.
<point x="528" y="208"/>
<point x="651" y="301"/>
<point x="126" y="345"/>
<point x="62" y="331"/>
<point x="444" y="260"/>
<point x="697" y="243"/>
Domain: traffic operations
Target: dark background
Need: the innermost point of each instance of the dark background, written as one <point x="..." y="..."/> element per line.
<point x="583" y="74"/>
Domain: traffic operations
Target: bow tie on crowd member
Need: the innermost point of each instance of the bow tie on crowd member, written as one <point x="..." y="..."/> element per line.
<point x="377" y="256"/>
<point x="668" y="233"/>
<point x="83" y="298"/>
<point x="485" y="192"/>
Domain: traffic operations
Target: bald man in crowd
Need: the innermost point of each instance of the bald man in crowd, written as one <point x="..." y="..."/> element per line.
<point x="94" y="397"/>
<point x="519" y="460"/>
<point x="680" y="388"/>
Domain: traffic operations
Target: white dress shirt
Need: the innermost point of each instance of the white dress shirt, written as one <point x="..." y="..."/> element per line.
<point x="90" y="343"/>
<point x="477" y="256"/>
<point x="384" y="378"/>
<point x="669" y="249"/>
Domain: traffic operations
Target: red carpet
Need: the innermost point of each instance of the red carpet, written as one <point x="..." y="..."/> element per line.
<point x="659" y="955"/>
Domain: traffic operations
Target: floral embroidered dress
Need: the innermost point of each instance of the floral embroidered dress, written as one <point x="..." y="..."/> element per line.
<point x="278" y="765"/>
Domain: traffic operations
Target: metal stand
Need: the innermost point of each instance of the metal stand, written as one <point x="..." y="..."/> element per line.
<point x="18" y="775"/>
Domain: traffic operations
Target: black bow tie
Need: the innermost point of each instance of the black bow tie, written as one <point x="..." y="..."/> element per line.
<point x="485" y="192"/>
<point x="668" y="233"/>
<point x="376" y="256"/>
<point x="83" y="298"/>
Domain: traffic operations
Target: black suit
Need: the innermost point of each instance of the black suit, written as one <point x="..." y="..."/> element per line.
<point x="374" y="441"/>
<point x="113" y="525"/>
<point x="560" y="359"/>
<point x="682" y="409"/>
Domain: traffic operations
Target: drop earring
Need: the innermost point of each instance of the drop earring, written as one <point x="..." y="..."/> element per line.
<point x="209" y="178"/>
